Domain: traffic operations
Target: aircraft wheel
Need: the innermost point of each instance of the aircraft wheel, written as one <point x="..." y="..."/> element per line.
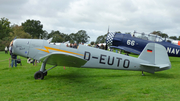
<point x="39" y="75"/>
<point x="45" y="73"/>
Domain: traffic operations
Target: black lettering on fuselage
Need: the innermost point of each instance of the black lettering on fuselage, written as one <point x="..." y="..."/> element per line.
<point x="94" y="57"/>
<point x="87" y="56"/>
<point x="126" y="63"/>
<point x="101" y="59"/>
<point x="109" y="60"/>
<point x="119" y="59"/>
<point x="112" y="61"/>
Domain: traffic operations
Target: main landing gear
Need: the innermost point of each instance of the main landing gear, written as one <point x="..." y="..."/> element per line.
<point x="42" y="72"/>
<point x="40" y="75"/>
<point x="143" y="74"/>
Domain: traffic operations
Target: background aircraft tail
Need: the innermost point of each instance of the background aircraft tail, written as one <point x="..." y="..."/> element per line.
<point x="157" y="57"/>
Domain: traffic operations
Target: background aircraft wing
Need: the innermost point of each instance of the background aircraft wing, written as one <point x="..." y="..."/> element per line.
<point x="127" y="49"/>
<point x="63" y="59"/>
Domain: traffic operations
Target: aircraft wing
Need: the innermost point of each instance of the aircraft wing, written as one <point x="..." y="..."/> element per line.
<point x="63" y="59"/>
<point x="127" y="49"/>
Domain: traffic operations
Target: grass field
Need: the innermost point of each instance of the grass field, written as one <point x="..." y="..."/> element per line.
<point x="81" y="84"/>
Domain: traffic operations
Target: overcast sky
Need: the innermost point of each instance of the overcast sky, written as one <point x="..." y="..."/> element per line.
<point x="94" y="16"/>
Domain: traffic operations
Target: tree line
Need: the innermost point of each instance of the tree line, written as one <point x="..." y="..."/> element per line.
<point x="34" y="29"/>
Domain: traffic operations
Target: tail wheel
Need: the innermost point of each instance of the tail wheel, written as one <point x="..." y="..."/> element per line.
<point x="39" y="75"/>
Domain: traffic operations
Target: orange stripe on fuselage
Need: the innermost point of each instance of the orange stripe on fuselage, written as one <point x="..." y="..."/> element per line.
<point x="55" y="49"/>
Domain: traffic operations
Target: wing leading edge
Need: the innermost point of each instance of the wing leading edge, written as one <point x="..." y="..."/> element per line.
<point x="63" y="59"/>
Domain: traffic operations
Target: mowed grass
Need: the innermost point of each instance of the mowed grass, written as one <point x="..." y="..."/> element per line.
<point x="81" y="84"/>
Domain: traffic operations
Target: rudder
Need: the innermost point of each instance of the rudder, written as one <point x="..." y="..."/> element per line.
<point x="155" y="54"/>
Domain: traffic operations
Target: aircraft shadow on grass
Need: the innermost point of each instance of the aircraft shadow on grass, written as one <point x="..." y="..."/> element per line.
<point x="76" y="75"/>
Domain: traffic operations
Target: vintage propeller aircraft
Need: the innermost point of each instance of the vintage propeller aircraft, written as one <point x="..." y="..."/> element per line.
<point x="136" y="43"/>
<point x="153" y="58"/>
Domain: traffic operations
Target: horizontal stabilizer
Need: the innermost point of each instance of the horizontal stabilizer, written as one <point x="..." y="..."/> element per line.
<point x="155" y="66"/>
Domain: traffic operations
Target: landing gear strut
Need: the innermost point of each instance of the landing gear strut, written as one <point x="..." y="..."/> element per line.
<point x="143" y="74"/>
<point x="42" y="72"/>
<point x="45" y="73"/>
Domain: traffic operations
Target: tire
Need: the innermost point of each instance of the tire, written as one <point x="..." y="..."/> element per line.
<point x="45" y="73"/>
<point x="39" y="75"/>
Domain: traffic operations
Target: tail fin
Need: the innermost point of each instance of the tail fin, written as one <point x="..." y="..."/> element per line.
<point x="157" y="57"/>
